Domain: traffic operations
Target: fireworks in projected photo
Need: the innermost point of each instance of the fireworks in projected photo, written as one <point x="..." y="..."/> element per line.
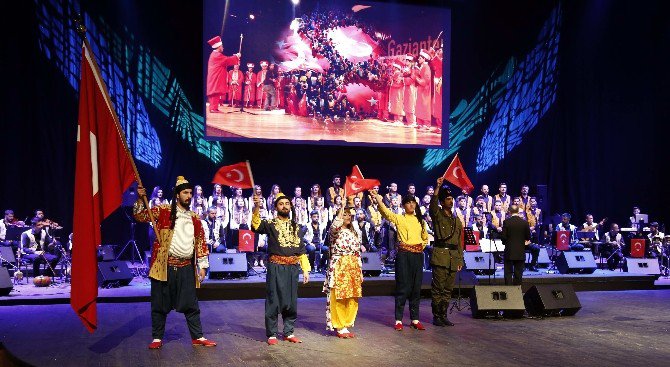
<point x="345" y="74"/>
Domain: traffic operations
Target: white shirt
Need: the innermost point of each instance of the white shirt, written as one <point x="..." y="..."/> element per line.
<point x="183" y="238"/>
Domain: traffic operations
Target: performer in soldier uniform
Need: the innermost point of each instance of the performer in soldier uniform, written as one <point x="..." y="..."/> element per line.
<point x="235" y="80"/>
<point x="447" y="256"/>
<point x="249" y="86"/>
<point x="396" y="94"/>
<point x="424" y="82"/>
<point x="217" y="74"/>
<point x="178" y="262"/>
<point x="286" y="258"/>
<point x="409" y="91"/>
<point x="260" y="78"/>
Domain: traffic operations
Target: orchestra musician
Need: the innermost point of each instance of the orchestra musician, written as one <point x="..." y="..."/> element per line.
<point x="40" y="248"/>
<point x="9" y="221"/>
<point x="612" y="246"/>
<point x="566" y="226"/>
<point x="591" y="226"/>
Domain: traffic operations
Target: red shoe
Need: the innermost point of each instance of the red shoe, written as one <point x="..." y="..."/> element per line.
<point x="273" y="341"/>
<point x="418" y="326"/>
<point x="156" y="345"/>
<point x="293" y="339"/>
<point x="214" y="111"/>
<point x="398" y="327"/>
<point x="204" y="343"/>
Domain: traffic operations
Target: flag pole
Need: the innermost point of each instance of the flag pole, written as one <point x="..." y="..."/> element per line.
<point x="251" y="175"/>
<point x="82" y="31"/>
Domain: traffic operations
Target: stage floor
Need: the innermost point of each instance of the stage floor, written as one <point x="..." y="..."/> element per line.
<point x="613" y="328"/>
<point x="276" y="125"/>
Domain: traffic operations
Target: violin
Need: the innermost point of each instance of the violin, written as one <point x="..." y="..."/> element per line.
<point x="51" y="224"/>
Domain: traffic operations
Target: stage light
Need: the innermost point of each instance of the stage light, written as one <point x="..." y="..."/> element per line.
<point x="295" y="2"/>
<point x="252" y="17"/>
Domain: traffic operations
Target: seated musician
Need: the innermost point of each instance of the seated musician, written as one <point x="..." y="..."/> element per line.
<point x="591" y="226"/>
<point x="365" y="230"/>
<point x="566" y="226"/>
<point x="655" y="248"/>
<point x="612" y="247"/>
<point x="315" y="241"/>
<point x="213" y="228"/>
<point x="480" y="225"/>
<point x="9" y="221"/>
<point x="633" y="220"/>
<point x="38" y="247"/>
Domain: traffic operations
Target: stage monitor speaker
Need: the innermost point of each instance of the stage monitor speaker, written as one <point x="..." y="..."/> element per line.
<point x="7" y="254"/>
<point x="480" y="262"/>
<point x="542" y="259"/>
<point x="642" y="266"/>
<point x="106" y="253"/>
<point x="494" y="300"/>
<point x="372" y="265"/>
<point x="111" y="273"/>
<point x="576" y="262"/>
<point x="224" y="264"/>
<point x="5" y="283"/>
<point x="552" y="300"/>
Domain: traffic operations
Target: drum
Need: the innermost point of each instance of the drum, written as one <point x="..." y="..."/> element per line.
<point x="42" y="281"/>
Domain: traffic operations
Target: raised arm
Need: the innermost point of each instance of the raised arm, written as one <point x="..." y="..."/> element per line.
<point x="383" y="210"/>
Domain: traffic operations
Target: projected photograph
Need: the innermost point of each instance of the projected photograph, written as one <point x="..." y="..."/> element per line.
<point x="326" y="72"/>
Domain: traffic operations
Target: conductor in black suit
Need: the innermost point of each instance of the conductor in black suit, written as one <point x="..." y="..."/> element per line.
<point x="515" y="237"/>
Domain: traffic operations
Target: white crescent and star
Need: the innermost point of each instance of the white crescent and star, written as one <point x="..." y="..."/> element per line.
<point x="355" y="186"/>
<point x="246" y="237"/>
<point x="372" y="101"/>
<point x="455" y="172"/>
<point x="239" y="178"/>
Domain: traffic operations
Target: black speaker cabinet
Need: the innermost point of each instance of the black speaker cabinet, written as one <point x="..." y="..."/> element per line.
<point x="7" y="255"/>
<point x="372" y="265"/>
<point x="5" y="283"/>
<point x="480" y="262"/>
<point x="113" y="272"/>
<point x="224" y="264"/>
<point x="576" y="262"/>
<point x="494" y="300"/>
<point x="642" y="266"/>
<point x="552" y="300"/>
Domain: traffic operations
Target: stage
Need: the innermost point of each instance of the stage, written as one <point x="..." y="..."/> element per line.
<point x="253" y="286"/>
<point x="613" y="328"/>
<point x="276" y="125"/>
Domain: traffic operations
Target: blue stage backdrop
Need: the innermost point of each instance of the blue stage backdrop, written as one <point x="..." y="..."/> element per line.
<point x="571" y="95"/>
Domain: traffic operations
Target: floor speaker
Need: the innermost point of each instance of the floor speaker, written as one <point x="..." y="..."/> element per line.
<point x="642" y="266"/>
<point x="552" y="300"/>
<point x="494" y="300"/>
<point x="372" y="265"/>
<point x="576" y="262"/>
<point x="113" y="272"/>
<point x="5" y="283"/>
<point x="223" y="264"/>
<point x="480" y="262"/>
<point x="7" y="254"/>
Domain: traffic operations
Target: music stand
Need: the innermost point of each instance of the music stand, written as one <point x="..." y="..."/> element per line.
<point x="128" y="200"/>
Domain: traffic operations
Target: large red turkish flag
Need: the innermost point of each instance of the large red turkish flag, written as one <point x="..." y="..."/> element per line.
<point x="104" y="170"/>
<point x="456" y="175"/>
<point x="236" y="175"/>
<point x="356" y="173"/>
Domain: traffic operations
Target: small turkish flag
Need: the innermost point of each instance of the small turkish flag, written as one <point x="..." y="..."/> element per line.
<point x="245" y="241"/>
<point x="236" y="175"/>
<point x="637" y="246"/>
<point x="456" y="175"/>
<point x="353" y="186"/>
<point x="563" y="240"/>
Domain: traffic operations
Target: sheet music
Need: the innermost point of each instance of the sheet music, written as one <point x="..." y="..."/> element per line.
<point x="488" y="245"/>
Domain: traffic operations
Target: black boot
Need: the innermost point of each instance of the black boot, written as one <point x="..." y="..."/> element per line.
<point x="446" y="321"/>
<point x="438" y="321"/>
